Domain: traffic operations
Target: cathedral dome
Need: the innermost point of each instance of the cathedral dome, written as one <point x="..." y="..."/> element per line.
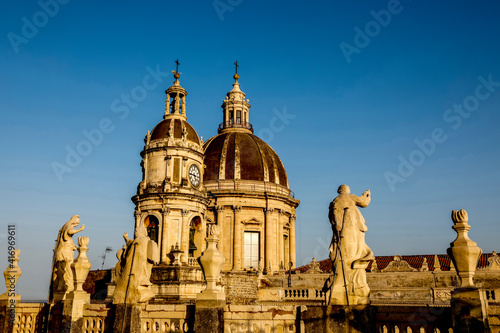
<point x="236" y="155"/>
<point x="174" y="128"/>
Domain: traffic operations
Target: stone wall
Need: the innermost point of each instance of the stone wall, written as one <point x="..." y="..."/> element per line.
<point x="241" y="287"/>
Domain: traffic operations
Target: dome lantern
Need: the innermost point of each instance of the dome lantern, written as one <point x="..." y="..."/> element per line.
<point x="176" y="97"/>
<point x="235" y="109"/>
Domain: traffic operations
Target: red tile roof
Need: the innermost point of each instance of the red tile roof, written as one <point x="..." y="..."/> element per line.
<point x="414" y="261"/>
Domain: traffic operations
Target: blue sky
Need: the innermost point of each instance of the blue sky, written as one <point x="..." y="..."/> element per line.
<point x="353" y="116"/>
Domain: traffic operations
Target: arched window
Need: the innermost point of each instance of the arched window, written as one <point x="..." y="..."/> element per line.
<point x="195" y="237"/>
<point x="151" y="223"/>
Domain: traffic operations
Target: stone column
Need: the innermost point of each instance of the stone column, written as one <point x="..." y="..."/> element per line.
<point x="269" y="265"/>
<point x="185" y="236"/>
<point x="164" y="244"/>
<point x="293" y="255"/>
<point x="281" y="245"/>
<point x="219" y="210"/>
<point x="137" y="216"/>
<point x="237" y="246"/>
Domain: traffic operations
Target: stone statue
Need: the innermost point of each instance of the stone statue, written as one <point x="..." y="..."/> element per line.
<point x="64" y="253"/>
<point x="348" y="251"/>
<point x="133" y="270"/>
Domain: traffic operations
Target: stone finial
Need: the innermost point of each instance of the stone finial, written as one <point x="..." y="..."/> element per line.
<point x="425" y="266"/>
<point x="81" y="266"/>
<point x="463" y="252"/>
<point x="211" y="262"/>
<point x="437" y="265"/>
<point x="12" y="274"/>
<point x="175" y="255"/>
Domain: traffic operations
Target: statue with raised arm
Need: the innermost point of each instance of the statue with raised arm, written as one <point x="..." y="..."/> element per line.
<point x="62" y="280"/>
<point x="133" y="270"/>
<point x="348" y="251"/>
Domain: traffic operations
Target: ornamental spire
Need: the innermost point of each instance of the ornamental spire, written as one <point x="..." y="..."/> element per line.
<point x="176" y="97"/>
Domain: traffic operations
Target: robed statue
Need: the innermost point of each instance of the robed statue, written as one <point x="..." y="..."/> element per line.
<point x="348" y="251"/>
<point x="133" y="270"/>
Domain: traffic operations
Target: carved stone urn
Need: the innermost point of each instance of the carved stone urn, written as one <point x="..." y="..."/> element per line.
<point x="464" y="252"/>
<point x="81" y="265"/>
<point x="211" y="262"/>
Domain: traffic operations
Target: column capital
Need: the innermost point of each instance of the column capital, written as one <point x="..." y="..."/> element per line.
<point x="165" y="210"/>
<point x="184" y="212"/>
<point x="282" y="212"/>
<point x="237" y="209"/>
<point x="218" y="209"/>
<point x="137" y="213"/>
<point x="293" y="217"/>
<point x="268" y="210"/>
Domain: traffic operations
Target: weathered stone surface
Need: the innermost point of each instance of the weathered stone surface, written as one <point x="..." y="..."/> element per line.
<point x="62" y="280"/>
<point x="209" y="320"/>
<point x="133" y="270"/>
<point x="348" y="251"/>
<point x="339" y="319"/>
<point x="463" y="252"/>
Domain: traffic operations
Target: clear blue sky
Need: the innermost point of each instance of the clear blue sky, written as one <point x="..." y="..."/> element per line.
<point x="360" y="91"/>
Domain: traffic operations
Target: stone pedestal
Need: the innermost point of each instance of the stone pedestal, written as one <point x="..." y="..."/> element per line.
<point x="339" y="319"/>
<point x="209" y="319"/>
<point x="468" y="309"/>
<point x="78" y="298"/>
<point x="127" y="318"/>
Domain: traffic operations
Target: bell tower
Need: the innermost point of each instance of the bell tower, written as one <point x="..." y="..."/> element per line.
<point x="171" y="199"/>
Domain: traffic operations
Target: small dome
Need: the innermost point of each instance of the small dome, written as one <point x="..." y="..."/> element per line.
<point x="162" y="130"/>
<point x="240" y="155"/>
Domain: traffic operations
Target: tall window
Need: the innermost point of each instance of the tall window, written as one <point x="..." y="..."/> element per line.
<point x="251" y="250"/>
<point x="151" y="224"/>
<point x="238" y="117"/>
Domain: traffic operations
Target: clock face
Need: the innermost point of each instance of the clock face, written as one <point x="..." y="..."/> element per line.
<point x="194" y="175"/>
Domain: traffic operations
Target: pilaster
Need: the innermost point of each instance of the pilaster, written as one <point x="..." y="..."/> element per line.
<point x="237" y="238"/>
<point x="185" y="236"/>
<point x="269" y="262"/>
<point x="293" y="255"/>
<point x="164" y="246"/>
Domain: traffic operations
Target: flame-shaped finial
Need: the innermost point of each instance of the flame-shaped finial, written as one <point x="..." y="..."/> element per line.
<point x="459" y="216"/>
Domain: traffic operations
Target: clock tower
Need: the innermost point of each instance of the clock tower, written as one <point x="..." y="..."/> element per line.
<point x="171" y="200"/>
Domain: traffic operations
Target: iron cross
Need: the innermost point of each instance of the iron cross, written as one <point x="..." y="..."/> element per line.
<point x="236" y="64"/>
<point x="177" y="67"/>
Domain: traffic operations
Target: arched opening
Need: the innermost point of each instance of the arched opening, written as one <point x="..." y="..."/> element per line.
<point x="152" y="224"/>
<point x="195" y="237"/>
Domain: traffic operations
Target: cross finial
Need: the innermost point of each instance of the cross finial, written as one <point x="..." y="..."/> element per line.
<point x="177" y="67"/>
<point x="236" y="65"/>
<point x="177" y="75"/>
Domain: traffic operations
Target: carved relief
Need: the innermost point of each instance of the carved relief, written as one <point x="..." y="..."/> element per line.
<point x="399" y="265"/>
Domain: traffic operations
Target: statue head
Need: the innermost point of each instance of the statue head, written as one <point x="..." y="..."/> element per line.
<point x="343" y="189"/>
<point x="140" y="231"/>
<point x="74" y="221"/>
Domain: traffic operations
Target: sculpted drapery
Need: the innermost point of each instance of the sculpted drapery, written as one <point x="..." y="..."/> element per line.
<point x="348" y="251"/>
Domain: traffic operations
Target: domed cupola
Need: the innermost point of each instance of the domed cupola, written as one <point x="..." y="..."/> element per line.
<point x="237" y="154"/>
<point x="248" y="187"/>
